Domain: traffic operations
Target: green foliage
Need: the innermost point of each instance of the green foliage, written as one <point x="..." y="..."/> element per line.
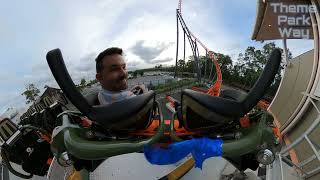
<point x="180" y="65"/>
<point x="190" y="65"/>
<point x="135" y="74"/>
<point x="90" y="83"/>
<point x="82" y="82"/>
<point x="250" y="65"/>
<point x="158" y="66"/>
<point x="173" y="85"/>
<point x="31" y="93"/>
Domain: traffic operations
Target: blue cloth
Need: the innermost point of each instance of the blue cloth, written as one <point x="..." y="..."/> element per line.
<point x="109" y="97"/>
<point x="201" y="149"/>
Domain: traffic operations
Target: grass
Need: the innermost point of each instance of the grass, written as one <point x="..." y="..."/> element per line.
<point x="173" y="85"/>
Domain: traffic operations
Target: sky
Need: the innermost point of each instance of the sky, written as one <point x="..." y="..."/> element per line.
<point x="146" y="30"/>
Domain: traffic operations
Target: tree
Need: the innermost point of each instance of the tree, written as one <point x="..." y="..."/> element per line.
<point x="225" y="64"/>
<point x="190" y="64"/>
<point x="91" y="82"/>
<point x="31" y="93"/>
<point x="181" y="64"/>
<point x="141" y="73"/>
<point x="251" y="64"/>
<point x="135" y="74"/>
<point x="83" y="82"/>
<point x="206" y="66"/>
<point x="158" y="66"/>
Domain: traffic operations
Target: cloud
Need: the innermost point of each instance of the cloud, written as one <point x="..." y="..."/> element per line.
<point x="40" y="67"/>
<point x="89" y="57"/>
<point x="11" y="99"/>
<point x="165" y="60"/>
<point x="86" y="63"/>
<point x="148" y="53"/>
<point x="131" y="65"/>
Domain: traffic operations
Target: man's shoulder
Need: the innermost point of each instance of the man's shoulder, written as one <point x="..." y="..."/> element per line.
<point x="107" y="97"/>
<point x="101" y="98"/>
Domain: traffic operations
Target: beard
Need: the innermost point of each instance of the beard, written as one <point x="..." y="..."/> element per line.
<point x="121" y="84"/>
<point x="115" y="84"/>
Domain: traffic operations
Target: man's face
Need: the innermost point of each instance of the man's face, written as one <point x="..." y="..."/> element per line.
<point x="114" y="75"/>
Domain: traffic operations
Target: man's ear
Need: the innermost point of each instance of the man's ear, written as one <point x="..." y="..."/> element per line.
<point x="99" y="76"/>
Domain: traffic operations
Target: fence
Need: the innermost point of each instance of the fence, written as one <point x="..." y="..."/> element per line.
<point x="282" y="156"/>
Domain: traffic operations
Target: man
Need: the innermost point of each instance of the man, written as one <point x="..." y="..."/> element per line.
<point x="113" y="77"/>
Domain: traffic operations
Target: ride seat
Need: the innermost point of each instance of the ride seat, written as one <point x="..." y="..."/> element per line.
<point x="203" y="119"/>
<point x="136" y="118"/>
<point x="233" y="94"/>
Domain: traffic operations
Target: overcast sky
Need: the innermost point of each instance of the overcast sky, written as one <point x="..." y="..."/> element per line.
<point x="145" y="29"/>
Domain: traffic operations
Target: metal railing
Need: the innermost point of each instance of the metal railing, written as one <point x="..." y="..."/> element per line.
<point x="305" y="136"/>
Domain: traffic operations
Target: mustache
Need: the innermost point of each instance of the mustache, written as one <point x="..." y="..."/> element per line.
<point x="123" y="77"/>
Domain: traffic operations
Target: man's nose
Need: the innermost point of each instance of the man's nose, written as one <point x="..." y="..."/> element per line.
<point x="123" y="71"/>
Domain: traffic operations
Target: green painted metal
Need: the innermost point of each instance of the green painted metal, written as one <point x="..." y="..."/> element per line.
<point x="85" y="175"/>
<point x="70" y="138"/>
<point x="173" y="135"/>
<point x="254" y="138"/>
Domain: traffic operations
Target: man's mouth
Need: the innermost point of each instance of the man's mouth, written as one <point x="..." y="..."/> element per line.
<point x="123" y="81"/>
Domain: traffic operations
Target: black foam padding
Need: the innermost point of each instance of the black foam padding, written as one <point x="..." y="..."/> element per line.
<point x="263" y="83"/>
<point x="60" y="73"/>
<point x="226" y="107"/>
<point x="233" y="94"/>
<point x="234" y="108"/>
<point x="122" y="112"/>
<point x="92" y="97"/>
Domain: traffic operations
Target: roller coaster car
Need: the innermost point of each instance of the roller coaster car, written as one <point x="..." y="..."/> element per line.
<point x="116" y="128"/>
<point x="24" y="147"/>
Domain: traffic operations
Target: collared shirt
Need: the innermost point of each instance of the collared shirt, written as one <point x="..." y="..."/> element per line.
<point x="109" y="97"/>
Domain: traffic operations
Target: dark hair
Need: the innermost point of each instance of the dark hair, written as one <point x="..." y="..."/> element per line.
<point x="109" y="51"/>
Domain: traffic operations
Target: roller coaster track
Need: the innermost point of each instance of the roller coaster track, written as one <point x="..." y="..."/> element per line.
<point x="214" y="90"/>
